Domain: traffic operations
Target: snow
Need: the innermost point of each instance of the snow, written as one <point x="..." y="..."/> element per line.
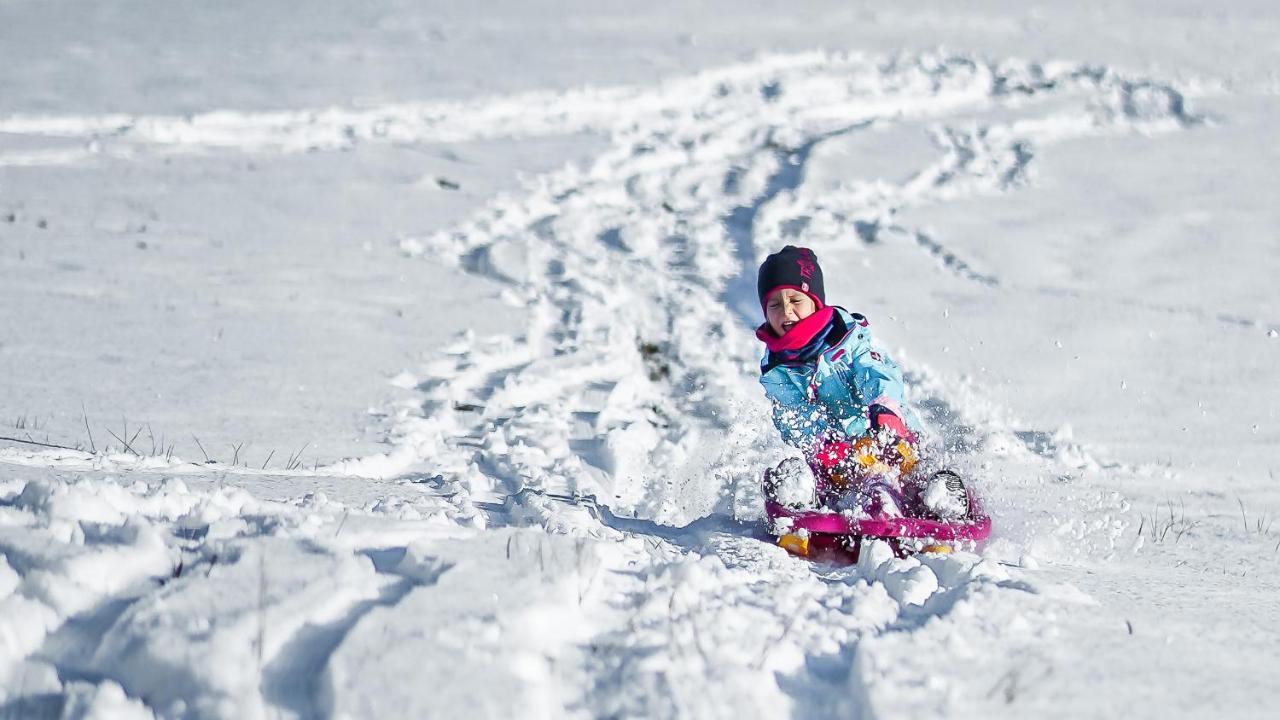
<point x="400" y="357"/>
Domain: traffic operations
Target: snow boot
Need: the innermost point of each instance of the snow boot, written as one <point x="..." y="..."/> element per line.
<point x="945" y="496"/>
<point x="790" y="484"/>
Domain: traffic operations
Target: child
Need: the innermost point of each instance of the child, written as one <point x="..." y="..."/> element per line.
<point x="836" y="395"/>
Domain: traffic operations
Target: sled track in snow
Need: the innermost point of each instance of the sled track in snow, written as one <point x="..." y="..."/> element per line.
<point x="675" y="215"/>
<point x="632" y="394"/>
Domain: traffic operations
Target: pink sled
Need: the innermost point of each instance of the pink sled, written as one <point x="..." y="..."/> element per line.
<point x="977" y="527"/>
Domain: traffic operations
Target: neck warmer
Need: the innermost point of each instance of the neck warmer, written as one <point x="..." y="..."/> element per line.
<point x="802" y="343"/>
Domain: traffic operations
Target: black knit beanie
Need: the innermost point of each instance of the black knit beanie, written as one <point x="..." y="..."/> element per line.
<point x="791" y="267"/>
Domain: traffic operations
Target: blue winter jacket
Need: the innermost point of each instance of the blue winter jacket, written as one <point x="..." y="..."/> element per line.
<point x="826" y="399"/>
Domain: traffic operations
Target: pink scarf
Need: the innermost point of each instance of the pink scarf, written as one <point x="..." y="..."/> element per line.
<point x="800" y="334"/>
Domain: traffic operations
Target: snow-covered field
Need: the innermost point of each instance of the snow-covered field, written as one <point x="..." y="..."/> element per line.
<point x="396" y="361"/>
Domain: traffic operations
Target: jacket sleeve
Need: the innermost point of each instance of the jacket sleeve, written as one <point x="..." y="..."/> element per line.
<point x="875" y="375"/>
<point x="802" y="428"/>
<point x="802" y="424"/>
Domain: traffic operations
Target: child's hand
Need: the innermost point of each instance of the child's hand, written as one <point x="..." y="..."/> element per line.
<point x="882" y="419"/>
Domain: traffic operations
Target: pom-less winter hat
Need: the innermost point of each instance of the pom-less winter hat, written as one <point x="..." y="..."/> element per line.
<point x="791" y="267"/>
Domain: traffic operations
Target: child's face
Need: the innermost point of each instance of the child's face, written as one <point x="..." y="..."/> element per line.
<point x="785" y="308"/>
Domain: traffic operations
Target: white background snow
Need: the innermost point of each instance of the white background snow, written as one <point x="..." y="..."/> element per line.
<point x="407" y="351"/>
